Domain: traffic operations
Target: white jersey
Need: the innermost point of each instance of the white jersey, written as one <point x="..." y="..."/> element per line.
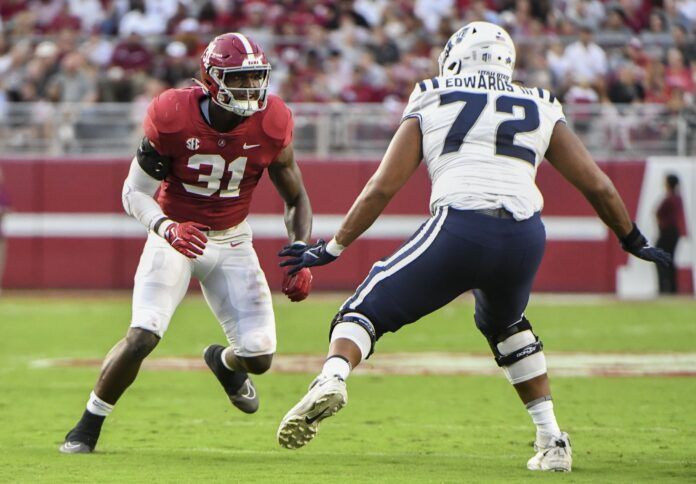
<point x="483" y="139"/>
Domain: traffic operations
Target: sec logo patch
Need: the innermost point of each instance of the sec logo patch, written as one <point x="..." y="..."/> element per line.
<point x="193" y="143"/>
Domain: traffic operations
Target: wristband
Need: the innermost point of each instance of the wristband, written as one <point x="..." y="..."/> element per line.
<point x="160" y="227"/>
<point x="634" y="237"/>
<point x="334" y="248"/>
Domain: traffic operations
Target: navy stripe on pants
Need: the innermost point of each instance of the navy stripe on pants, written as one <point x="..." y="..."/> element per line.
<point x="455" y="251"/>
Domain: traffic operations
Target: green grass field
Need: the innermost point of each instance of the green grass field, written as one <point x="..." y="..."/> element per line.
<point x="177" y="426"/>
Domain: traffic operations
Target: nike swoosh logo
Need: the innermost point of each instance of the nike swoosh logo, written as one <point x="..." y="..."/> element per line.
<point x="246" y="146"/>
<point x="313" y="255"/>
<point x="235" y="244"/>
<point x="310" y="421"/>
<point x="250" y="393"/>
<point x="70" y="445"/>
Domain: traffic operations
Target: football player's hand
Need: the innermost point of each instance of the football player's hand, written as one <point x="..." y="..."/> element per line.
<point x="310" y="256"/>
<point x="296" y="249"/>
<point x="187" y="238"/>
<point x="297" y="286"/>
<point x="635" y="243"/>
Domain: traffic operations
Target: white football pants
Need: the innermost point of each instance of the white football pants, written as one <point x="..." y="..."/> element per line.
<point x="232" y="281"/>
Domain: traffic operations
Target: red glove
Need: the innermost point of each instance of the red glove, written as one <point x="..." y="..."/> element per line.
<point x="297" y="286"/>
<point x="187" y="238"/>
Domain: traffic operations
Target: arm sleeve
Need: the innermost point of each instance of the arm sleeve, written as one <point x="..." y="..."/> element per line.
<point x="137" y="196"/>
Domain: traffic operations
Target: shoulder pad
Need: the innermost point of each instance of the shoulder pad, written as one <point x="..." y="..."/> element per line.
<point x="277" y="122"/>
<point x="167" y="111"/>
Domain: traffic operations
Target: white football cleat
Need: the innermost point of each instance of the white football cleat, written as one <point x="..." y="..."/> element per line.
<point x="325" y="397"/>
<point x="554" y="455"/>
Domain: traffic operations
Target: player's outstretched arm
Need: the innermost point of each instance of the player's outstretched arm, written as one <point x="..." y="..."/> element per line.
<point x="570" y="157"/>
<point x="287" y="178"/>
<point x="397" y="166"/>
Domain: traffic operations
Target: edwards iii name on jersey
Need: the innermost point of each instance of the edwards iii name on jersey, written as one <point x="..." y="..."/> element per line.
<point x="213" y="174"/>
<point x="483" y="139"/>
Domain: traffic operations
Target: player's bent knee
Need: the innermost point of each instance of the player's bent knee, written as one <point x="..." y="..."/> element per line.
<point x="140" y="343"/>
<point x="257" y="364"/>
<point x="519" y="352"/>
<point x="357" y="328"/>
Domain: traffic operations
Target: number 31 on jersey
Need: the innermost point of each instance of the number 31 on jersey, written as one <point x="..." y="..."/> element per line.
<point x="213" y="181"/>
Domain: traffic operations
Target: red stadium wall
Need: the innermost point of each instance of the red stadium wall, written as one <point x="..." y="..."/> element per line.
<point x="48" y="187"/>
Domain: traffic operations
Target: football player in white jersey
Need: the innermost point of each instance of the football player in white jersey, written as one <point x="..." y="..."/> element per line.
<point x="482" y="138"/>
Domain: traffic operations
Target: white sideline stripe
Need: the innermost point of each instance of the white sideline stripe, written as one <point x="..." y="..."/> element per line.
<point x="400" y="227"/>
<point x="432" y="363"/>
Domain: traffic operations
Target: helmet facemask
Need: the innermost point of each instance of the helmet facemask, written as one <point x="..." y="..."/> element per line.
<point x="242" y="101"/>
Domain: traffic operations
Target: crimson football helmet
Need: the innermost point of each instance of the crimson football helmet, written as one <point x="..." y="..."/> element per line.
<point x="224" y="59"/>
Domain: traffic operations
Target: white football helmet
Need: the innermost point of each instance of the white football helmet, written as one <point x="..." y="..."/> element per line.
<point x="478" y="44"/>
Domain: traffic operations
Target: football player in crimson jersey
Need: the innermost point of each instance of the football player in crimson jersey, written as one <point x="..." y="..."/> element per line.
<point x="191" y="183"/>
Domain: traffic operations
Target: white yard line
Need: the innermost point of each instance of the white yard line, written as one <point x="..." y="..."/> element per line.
<point x="560" y="364"/>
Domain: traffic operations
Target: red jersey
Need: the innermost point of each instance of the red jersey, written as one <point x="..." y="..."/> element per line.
<point x="213" y="174"/>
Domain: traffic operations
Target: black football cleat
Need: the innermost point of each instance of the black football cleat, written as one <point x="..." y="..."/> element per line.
<point x="83" y="438"/>
<point x="237" y="385"/>
<point x="77" y="442"/>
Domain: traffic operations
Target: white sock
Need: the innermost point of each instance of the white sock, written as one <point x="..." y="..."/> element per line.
<point x="224" y="360"/>
<point x="544" y="419"/>
<point x="335" y="365"/>
<point x="97" y="406"/>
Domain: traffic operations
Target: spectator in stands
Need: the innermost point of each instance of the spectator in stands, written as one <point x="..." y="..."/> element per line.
<point x="655" y="87"/>
<point x="131" y="54"/>
<point x="586" y="61"/>
<point x="139" y="22"/>
<point x="615" y="22"/>
<point x="383" y="48"/>
<point x="684" y="43"/>
<point x="677" y="74"/>
<point x="89" y="12"/>
<point x="44" y="12"/>
<point x="177" y="67"/>
<point x="586" y="14"/>
<point x="74" y="83"/>
<point x="430" y="12"/>
<point x="670" y="221"/>
<point x="626" y="89"/>
<point x="4" y="210"/>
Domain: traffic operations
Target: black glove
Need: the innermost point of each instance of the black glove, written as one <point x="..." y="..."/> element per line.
<point x="296" y="249"/>
<point x="635" y="243"/>
<point x="305" y="256"/>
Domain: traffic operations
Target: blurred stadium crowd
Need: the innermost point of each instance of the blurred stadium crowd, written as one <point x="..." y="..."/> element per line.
<point x="586" y="51"/>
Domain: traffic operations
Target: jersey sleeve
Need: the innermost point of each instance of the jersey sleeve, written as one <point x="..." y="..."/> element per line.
<point x="553" y="109"/>
<point x="414" y="105"/>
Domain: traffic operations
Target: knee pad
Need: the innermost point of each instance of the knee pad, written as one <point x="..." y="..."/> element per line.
<point x="255" y="343"/>
<point x="356" y="327"/>
<point x="519" y="352"/>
